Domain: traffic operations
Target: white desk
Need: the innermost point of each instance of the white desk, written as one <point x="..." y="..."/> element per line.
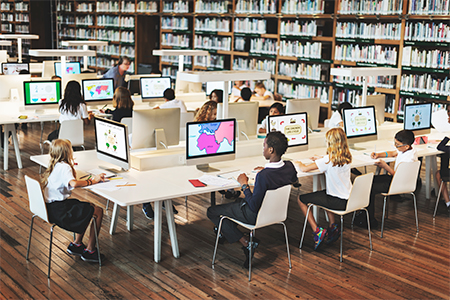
<point x="5" y="43"/>
<point x="180" y="54"/>
<point x="19" y="38"/>
<point x="86" y="45"/>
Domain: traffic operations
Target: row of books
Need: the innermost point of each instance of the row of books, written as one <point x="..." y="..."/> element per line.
<point x="7" y="17"/>
<point x="175" y="23"/>
<point x="127" y="51"/>
<point x="22" y="29"/>
<point x="212" y="42"/>
<point x="7" y="27"/>
<point x="211" y="6"/>
<point x="263" y="46"/>
<point x="109" y="50"/>
<point x="244" y="63"/>
<point x="175" y="40"/>
<point x="170" y="71"/>
<point x="427" y="31"/>
<point x="212" y="24"/>
<point x="21" y="6"/>
<point x="298" y="28"/>
<point x="61" y="6"/>
<point x="22" y="18"/>
<point x="300" y="70"/>
<point x="85" y="7"/>
<point x="373" y="54"/>
<point x="128" y="6"/>
<point x="66" y="19"/>
<point x="387" y="82"/>
<point x="5" y="6"/>
<point x="387" y="31"/>
<point x="299" y="90"/>
<point x="300" y="49"/>
<point x="426" y="84"/>
<point x="110" y="6"/>
<point x="303" y="7"/>
<point x="106" y="63"/>
<point x="66" y="32"/>
<point x="147" y="6"/>
<point x="108" y="35"/>
<point x="85" y="33"/>
<point x="86" y="20"/>
<point x="401" y="104"/>
<point x="114" y="21"/>
<point x="429" y="7"/>
<point x="173" y="59"/>
<point x="372" y="7"/>
<point x="214" y="61"/>
<point x="176" y="6"/>
<point x="423" y="58"/>
<point x="250" y="25"/>
<point x="256" y="6"/>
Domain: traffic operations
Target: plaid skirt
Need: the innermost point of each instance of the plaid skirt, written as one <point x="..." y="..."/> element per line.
<point x="71" y="214"/>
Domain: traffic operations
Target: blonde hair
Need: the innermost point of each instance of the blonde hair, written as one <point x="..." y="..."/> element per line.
<point x="260" y="85"/>
<point x="122" y="98"/>
<point x="337" y="147"/>
<point x="61" y="151"/>
<point x="205" y="112"/>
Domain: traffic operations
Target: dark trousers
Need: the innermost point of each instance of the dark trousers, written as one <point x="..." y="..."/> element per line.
<point x="238" y="210"/>
<point x="381" y="184"/>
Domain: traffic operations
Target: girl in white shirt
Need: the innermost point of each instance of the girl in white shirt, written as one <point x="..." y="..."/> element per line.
<point x="71" y="214"/>
<point x="336" y="167"/>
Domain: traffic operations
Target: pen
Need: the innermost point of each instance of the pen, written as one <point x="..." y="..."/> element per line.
<point x="85" y="176"/>
<point x="128" y="184"/>
<point x="111" y="176"/>
<point x="103" y="106"/>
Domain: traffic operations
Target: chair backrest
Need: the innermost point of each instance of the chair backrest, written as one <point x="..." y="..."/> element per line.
<point x="72" y="130"/>
<point x="405" y="178"/>
<point x="360" y="193"/>
<point x="36" y="199"/>
<point x="129" y="122"/>
<point x="184" y="118"/>
<point x="326" y="123"/>
<point x="274" y="207"/>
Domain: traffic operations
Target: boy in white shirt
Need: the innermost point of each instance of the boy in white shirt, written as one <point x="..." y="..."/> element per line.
<point x="262" y="93"/>
<point x="403" y="141"/>
<point x="171" y="102"/>
<point x="336" y="117"/>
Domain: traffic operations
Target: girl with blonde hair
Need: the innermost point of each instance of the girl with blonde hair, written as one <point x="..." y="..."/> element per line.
<point x="208" y="112"/>
<point x="71" y="214"/>
<point x="122" y="103"/>
<point x="336" y="167"/>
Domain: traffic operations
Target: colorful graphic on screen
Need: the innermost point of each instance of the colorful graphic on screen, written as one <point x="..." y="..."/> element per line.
<point x="294" y="127"/>
<point x="111" y="139"/>
<point x="42" y="92"/>
<point x="154" y="87"/>
<point x="71" y="68"/>
<point x="14" y="68"/>
<point x="211" y="138"/>
<point x="360" y="121"/>
<point x="100" y="89"/>
<point x="418" y="116"/>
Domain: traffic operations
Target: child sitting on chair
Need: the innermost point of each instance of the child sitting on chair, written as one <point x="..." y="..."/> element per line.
<point x="275" y="109"/>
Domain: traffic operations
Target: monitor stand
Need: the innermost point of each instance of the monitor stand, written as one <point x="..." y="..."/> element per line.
<point x="117" y="170"/>
<point x="242" y="128"/>
<point x="160" y="139"/>
<point x="206" y="168"/>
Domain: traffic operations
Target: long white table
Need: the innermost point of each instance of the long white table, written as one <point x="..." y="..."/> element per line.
<point x="19" y="38"/>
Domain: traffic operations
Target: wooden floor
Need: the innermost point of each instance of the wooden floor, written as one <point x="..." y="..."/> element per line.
<point x="403" y="265"/>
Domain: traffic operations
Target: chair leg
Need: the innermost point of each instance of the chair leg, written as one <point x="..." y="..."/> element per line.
<point x="342" y="235"/>
<point x="415" y="211"/>
<point x="50" y="250"/>
<point x="382" y="220"/>
<point x="353" y="218"/>
<point x="287" y="245"/>
<point x="437" y="200"/>
<point x="29" y="238"/>
<point x="304" y="226"/>
<point x="94" y="223"/>
<point x="250" y="256"/>
<point x="185" y="200"/>
<point x="368" y="228"/>
<point x="107" y="204"/>
<point x="217" y="241"/>
<point x="82" y="146"/>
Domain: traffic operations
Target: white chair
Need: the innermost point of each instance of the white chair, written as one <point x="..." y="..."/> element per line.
<point x="184" y="118"/>
<point x="129" y="122"/>
<point x="273" y="211"/>
<point x="359" y="199"/>
<point x="404" y="181"/>
<point x="326" y="123"/>
<point x="72" y="130"/>
<point x="39" y="209"/>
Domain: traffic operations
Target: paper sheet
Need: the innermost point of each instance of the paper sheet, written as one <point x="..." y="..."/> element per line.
<point x="439" y="120"/>
<point x="109" y="185"/>
<point x="214" y="180"/>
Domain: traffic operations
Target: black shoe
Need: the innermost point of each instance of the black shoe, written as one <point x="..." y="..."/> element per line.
<point x="232" y="194"/>
<point x="221" y="237"/>
<point x="91" y="256"/>
<point x="76" y="250"/>
<point x="361" y="221"/>
<point x="148" y="211"/>
<point x="355" y="171"/>
<point x="246" y="250"/>
<point x="175" y="211"/>
<point x="222" y="192"/>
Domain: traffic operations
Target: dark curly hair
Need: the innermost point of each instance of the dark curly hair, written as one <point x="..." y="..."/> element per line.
<point x="278" y="141"/>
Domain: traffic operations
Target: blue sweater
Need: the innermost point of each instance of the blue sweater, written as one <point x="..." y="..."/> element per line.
<point x="269" y="179"/>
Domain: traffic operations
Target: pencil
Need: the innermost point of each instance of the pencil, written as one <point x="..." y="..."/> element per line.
<point x="121" y="185"/>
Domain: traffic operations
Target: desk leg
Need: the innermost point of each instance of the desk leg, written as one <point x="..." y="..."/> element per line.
<point x="11" y="128"/>
<point x="5" y="147"/>
<point x="130" y="217"/>
<point x="157" y="227"/>
<point x="428" y="177"/>
<point x="114" y="218"/>
<point x="172" y="229"/>
<point x="213" y="198"/>
<point x="315" y="189"/>
<point x="16" y="146"/>
<point x="434" y="169"/>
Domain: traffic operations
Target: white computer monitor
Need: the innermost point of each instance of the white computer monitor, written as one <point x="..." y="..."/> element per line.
<point x="311" y="106"/>
<point x="97" y="91"/>
<point x="14" y="68"/>
<point x="217" y="85"/>
<point x="293" y="126"/>
<point x="43" y="94"/>
<point x="152" y="88"/>
<point x="11" y="87"/>
<point x="158" y="128"/>
<point x="379" y="101"/>
<point x="111" y="142"/>
<point x="208" y="142"/>
<point x="360" y="125"/>
<point x="246" y="115"/>
<point x="417" y="117"/>
<point x="72" y="67"/>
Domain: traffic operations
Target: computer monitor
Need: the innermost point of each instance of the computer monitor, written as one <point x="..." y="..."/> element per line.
<point x="134" y="86"/>
<point x="359" y="125"/>
<point x="14" y="68"/>
<point x="246" y="115"/>
<point x="111" y="142"/>
<point x="158" y="128"/>
<point x="310" y="106"/>
<point x="208" y="142"/>
<point x="12" y="87"/>
<point x="417" y="117"/>
<point x="39" y="95"/>
<point x="154" y="87"/>
<point x="96" y="91"/>
<point x="294" y="128"/>
<point x="78" y="77"/>
<point x="379" y="101"/>
<point x="72" y="67"/>
<point x="217" y="85"/>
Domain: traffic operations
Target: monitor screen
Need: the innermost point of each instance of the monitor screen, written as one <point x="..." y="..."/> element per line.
<point x="294" y="127"/>
<point x="42" y="92"/>
<point x="213" y="138"/>
<point x="112" y="142"/>
<point x="98" y="89"/>
<point x="360" y="121"/>
<point x="154" y="87"/>
<point x="14" y="68"/>
<point x="417" y="116"/>
<point x="72" y="67"/>
<point x="217" y="85"/>
<point x="134" y="86"/>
